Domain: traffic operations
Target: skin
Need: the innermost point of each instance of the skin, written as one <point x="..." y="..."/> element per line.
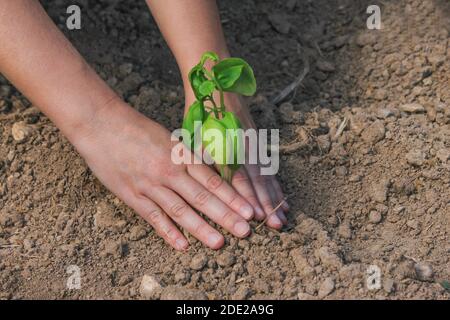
<point x="129" y="153"/>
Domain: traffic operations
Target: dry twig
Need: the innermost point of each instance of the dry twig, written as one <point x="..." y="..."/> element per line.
<point x="294" y="85"/>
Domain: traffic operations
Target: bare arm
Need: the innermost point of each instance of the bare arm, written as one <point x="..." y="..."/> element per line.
<point x="45" y="67"/>
<point x="190" y="29"/>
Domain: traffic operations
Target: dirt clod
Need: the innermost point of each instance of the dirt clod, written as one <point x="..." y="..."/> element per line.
<point x="21" y="131"/>
<point x="415" y="157"/>
<point x="326" y="288"/>
<point x="375" y="217"/>
<point x="424" y="271"/>
<point x="412" y="108"/>
<point x="198" y="262"/>
<point x="150" y="287"/>
<point x="374" y="133"/>
<point x="226" y="259"/>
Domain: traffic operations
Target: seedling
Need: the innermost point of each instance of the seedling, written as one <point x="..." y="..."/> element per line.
<point x="226" y="75"/>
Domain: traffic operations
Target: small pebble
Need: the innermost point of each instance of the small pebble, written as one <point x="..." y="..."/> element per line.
<point x="415" y="158"/>
<point x="412" y="108"/>
<point x="150" y="287"/>
<point x="375" y="217"/>
<point x="20" y="131"/>
<point x="326" y="287"/>
<point x="424" y="271"/>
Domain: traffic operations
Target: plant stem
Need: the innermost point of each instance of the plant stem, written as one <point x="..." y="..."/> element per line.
<point x="226" y="173"/>
<point x="222" y="103"/>
<point x="214" y="108"/>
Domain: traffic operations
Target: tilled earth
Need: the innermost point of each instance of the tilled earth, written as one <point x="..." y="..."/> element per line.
<point x="365" y="161"/>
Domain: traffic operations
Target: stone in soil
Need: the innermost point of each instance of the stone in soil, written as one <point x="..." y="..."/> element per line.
<point x="137" y="233"/>
<point x="374" y="133"/>
<point x="150" y="287"/>
<point x="326" y="288"/>
<point x="302" y="265"/>
<point x="443" y="155"/>
<point x="105" y="218"/>
<point x="21" y="131"/>
<point x="345" y="230"/>
<point x="379" y="191"/>
<point x="280" y="23"/>
<point x="226" y="259"/>
<point x="198" y="262"/>
<point x="415" y="157"/>
<point x="375" y="217"/>
<point x="388" y="285"/>
<point x="325" y="66"/>
<point x="412" y="108"/>
<point x="424" y="271"/>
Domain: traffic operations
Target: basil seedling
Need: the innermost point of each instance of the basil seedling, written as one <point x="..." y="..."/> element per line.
<point x="226" y="75"/>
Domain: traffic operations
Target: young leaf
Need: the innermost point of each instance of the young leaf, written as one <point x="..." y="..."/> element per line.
<point x="193" y="118"/>
<point x="209" y="55"/>
<point x="214" y="139"/>
<point x="226" y="71"/>
<point x="197" y="78"/>
<point x="228" y="77"/>
<point x="235" y="139"/>
<point x="207" y="88"/>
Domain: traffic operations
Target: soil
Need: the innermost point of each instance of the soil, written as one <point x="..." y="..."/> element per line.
<point x="373" y="196"/>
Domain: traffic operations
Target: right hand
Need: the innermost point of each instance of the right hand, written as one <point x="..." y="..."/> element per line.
<point x="131" y="155"/>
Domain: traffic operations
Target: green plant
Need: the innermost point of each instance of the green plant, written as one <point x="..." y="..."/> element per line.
<point x="226" y="75"/>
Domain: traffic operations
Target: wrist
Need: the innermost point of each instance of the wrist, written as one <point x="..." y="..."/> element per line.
<point x="79" y="132"/>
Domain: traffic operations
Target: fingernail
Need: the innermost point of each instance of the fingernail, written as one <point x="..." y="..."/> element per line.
<point x="282" y="216"/>
<point x="214" y="239"/>
<point x="181" y="243"/>
<point x="242" y="228"/>
<point x="260" y="212"/>
<point x="246" y="211"/>
<point x="275" y="221"/>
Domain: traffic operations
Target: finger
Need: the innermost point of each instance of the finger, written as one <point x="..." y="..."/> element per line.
<point x="279" y="193"/>
<point x="260" y="184"/>
<point x="183" y="215"/>
<point x="241" y="182"/>
<point x="280" y="198"/>
<point x="217" y="186"/>
<point x="203" y="200"/>
<point x="276" y="203"/>
<point x="162" y="224"/>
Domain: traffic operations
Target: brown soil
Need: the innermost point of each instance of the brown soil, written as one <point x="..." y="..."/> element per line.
<point x="375" y="194"/>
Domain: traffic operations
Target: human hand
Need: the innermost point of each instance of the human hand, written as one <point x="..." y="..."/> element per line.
<point x="131" y="156"/>
<point x="263" y="192"/>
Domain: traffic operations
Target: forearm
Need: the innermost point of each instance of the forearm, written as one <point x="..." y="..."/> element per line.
<point x="190" y="28"/>
<point x="37" y="58"/>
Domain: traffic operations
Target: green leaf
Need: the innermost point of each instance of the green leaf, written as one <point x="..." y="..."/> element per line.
<point x="192" y="122"/>
<point x="209" y="55"/>
<point x="226" y="71"/>
<point x="215" y="145"/>
<point x="207" y="88"/>
<point x="197" y="78"/>
<point x="226" y="151"/>
<point x="228" y="77"/>
<point x="445" y="284"/>
<point x="233" y="125"/>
